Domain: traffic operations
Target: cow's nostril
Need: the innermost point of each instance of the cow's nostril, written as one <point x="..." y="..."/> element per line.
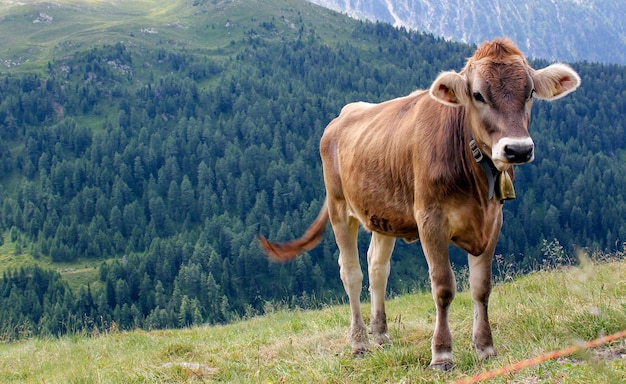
<point x="518" y="153"/>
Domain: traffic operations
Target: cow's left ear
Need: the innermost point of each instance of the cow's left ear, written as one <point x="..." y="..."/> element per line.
<point x="449" y="88"/>
<point x="555" y="81"/>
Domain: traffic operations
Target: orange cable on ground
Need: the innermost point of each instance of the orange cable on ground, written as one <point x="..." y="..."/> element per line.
<point x="540" y="359"/>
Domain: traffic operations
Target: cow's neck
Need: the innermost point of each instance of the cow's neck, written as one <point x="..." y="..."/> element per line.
<point x="500" y="183"/>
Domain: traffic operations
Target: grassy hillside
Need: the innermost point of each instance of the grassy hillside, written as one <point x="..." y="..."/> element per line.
<point x="534" y="314"/>
<point x="48" y="31"/>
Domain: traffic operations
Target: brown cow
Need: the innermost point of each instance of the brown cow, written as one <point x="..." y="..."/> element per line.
<point x="423" y="167"/>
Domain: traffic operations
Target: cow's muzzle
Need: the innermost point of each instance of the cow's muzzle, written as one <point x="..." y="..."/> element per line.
<point x="513" y="150"/>
<point x="519" y="153"/>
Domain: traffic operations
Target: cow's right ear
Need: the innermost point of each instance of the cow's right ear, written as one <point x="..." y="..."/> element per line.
<point x="449" y="88"/>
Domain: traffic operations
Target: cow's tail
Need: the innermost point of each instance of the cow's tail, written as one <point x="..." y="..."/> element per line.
<point x="284" y="252"/>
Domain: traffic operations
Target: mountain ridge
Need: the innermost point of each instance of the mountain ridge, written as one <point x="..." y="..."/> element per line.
<point x="564" y="30"/>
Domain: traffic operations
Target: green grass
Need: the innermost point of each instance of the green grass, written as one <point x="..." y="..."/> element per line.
<point x="9" y="259"/>
<point x="534" y="314"/>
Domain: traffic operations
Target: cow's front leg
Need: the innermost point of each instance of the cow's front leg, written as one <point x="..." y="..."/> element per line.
<point x="378" y="256"/>
<point x="480" y="287"/>
<point x="443" y="287"/>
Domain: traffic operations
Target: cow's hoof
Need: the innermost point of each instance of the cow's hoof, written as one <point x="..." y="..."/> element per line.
<point x="382" y="339"/>
<point x="360" y="349"/>
<point x="485" y="353"/>
<point x="442" y="366"/>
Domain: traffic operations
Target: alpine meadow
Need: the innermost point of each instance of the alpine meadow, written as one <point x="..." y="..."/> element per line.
<point x="145" y="144"/>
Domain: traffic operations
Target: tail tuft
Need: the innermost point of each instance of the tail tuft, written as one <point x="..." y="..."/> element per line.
<point x="285" y="252"/>
<point x="279" y="252"/>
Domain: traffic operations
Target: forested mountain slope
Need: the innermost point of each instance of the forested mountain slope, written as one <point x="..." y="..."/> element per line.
<point x="570" y="30"/>
<point x="167" y="159"/>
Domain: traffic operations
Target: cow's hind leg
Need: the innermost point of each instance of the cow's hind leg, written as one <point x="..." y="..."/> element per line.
<point x="378" y="259"/>
<point x="346" y="229"/>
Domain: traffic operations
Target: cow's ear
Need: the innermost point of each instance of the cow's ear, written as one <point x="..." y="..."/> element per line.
<point x="449" y="88"/>
<point x="555" y="81"/>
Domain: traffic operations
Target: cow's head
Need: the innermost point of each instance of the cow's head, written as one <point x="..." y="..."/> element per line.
<point x="497" y="87"/>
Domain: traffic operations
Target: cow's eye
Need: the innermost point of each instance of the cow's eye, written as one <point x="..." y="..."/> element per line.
<point x="479" y="97"/>
<point x="532" y="94"/>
